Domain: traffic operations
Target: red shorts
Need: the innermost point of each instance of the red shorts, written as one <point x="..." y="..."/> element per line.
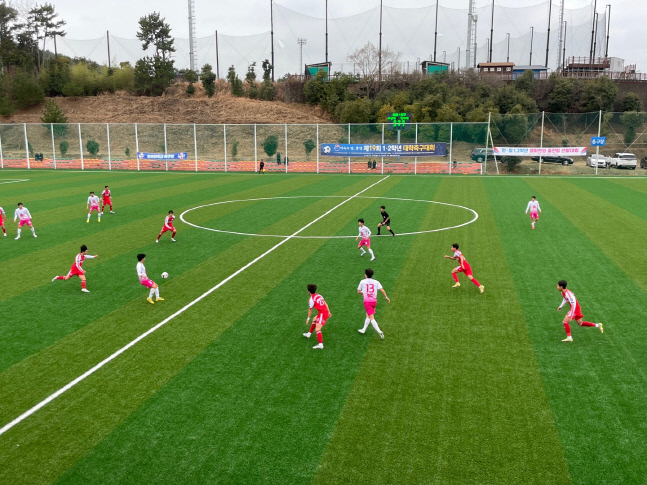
<point x="74" y="271"/>
<point x="107" y="201"/>
<point x="147" y="283"/>
<point x="534" y="215"/>
<point x="321" y="318"/>
<point x="24" y="221"/>
<point x="365" y="242"/>
<point x="164" y="229"/>
<point x="467" y="270"/>
<point x="370" y="307"/>
<point x="575" y="313"/>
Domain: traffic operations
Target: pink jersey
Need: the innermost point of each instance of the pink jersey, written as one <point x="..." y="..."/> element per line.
<point x="318" y="303"/>
<point x="369" y="288"/>
<point x="364" y="232"/>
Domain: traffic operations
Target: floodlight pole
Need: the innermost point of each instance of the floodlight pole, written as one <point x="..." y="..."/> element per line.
<point x="595" y="7"/>
<point x="595" y="42"/>
<point x="508" y="36"/>
<point x="564" y="53"/>
<point x="436" y="30"/>
<point x="217" y="58"/>
<point x="606" y="51"/>
<point x="326" y="31"/>
<point x="532" y="35"/>
<point x="108" y="41"/>
<point x="272" y="34"/>
<point x="301" y="42"/>
<point x="550" y="10"/>
<point x="380" y="48"/>
<point x="491" y="32"/>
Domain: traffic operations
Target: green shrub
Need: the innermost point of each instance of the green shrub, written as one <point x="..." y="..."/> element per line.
<point x="235" y="83"/>
<point x="190" y="90"/>
<point x="54" y="116"/>
<point x="64" y="146"/>
<point x="208" y="79"/>
<point x="26" y="91"/>
<point x="7" y="107"/>
<point x="268" y="91"/>
<point x="270" y="145"/>
<point x="127" y="152"/>
<point x="234" y="149"/>
<point x="511" y="163"/>
<point x="92" y="147"/>
<point x="309" y="145"/>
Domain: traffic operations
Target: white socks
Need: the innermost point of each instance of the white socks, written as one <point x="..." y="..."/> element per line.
<point x="19" y="232"/>
<point x="362" y="249"/>
<point x="152" y="292"/>
<point x="157" y="292"/>
<point x="366" y="322"/>
<point x="371" y="253"/>
<point x="377" y="329"/>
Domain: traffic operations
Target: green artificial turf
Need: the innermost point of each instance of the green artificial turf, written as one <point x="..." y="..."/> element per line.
<point x="465" y="387"/>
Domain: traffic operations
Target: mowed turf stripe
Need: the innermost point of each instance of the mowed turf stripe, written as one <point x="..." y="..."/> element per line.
<point x="454" y="395"/>
<point x="259" y="404"/>
<point x="596" y="385"/>
<point x="625" y="198"/>
<point x="111" y="284"/>
<point x="62" y="431"/>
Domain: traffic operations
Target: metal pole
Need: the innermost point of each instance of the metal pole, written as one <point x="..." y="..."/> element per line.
<point x="108" y="40"/>
<point x="606" y="49"/>
<point x="532" y="35"/>
<point x="217" y="58"/>
<point x="595" y="7"/>
<point x="56" y="49"/>
<point x="326" y="30"/>
<point x="541" y="141"/>
<point x="51" y="127"/>
<point x="318" y="149"/>
<point x="597" y="148"/>
<point x="508" y="36"/>
<point x="550" y="10"/>
<point x="137" y="145"/>
<point x="415" y="160"/>
<point x="491" y="32"/>
<point x="165" y="147"/>
<point x="255" y="151"/>
<point x="349" y="144"/>
<point x="272" y="34"/>
<point x="436" y="30"/>
<point x="81" y="147"/>
<point x="26" y="145"/>
<point x="564" y="54"/>
<point x="286" y="148"/>
<point x="595" y="42"/>
<point x="1" y="156"/>
<point x="195" y="147"/>
<point x="224" y="132"/>
<point x="380" y="50"/>
<point x="487" y="140"/>
<point x="108" y="136"/>
<point x="382" y="144"/>
<point x="451" y="144"/>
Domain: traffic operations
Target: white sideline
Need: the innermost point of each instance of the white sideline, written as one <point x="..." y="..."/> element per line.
<point x="12" y="181"/>
<point x="88" y="373"/>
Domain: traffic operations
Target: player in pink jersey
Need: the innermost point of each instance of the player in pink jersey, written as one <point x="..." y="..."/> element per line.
<point x="369" y="288"/>
<point x="168" y="226"/>
<point x="3" y="216"/>
<point x="77" y="269"/>
<point x="317" y="302"/>
<point x="146" y="281"/>
<point x="533" y="207"/>
<point x="107" y="199"/>
<point x="463" y="268"/>
<point x="24" y="215"/>
<point x="575" y="313"/>
<point x="93" y="205"/>
<point x="365" y="234"/>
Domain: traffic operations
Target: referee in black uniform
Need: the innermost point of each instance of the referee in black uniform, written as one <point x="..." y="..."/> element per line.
<point x="386" y="221"/>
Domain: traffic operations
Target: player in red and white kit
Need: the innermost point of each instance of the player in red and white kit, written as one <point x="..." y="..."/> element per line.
<point x="575" y="313"/>
<point x="369" y="288"/>
<point x="93" y="205"/>
<point x="317" y="302"/>
<point x="533" y="207"/>
<point x="107" y="199"/>
<point x="23" y="214"/>
<point x="3" y="216"/>
<point x="463" y="268"/>
<point x="168" y="226"/>
<point x="365" y="234"/>
<point x="77" y="268"/>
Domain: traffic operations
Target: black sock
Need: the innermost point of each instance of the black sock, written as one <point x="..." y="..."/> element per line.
<point x="378" y="231"/>
<point x="392" y="232"/>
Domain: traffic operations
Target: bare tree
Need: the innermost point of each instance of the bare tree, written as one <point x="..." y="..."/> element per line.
<point x="366" y="63"/>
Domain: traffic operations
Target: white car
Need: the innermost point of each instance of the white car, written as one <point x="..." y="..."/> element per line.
<point x="623" y="160"/>
<point x="597" y="160"/>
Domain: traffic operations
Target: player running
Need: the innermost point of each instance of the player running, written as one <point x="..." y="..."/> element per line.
<point x="386" y="221"/>
<point x="463" y="268"/>
<point x="3" y="216"/>
<point x="23" y="214"/>
<point x="364" y="233"/>
<point x="148" y="283"/>
<point x="168" y="226"/>
<point x="533" y="207"/>
<point x="93" y="204"/>
<point x="77" y="269"/>
<point x="107" y="199"/>
<point x="317" y="302"/>
<point x="369" y="287"/>
<point x="574" y="313"/>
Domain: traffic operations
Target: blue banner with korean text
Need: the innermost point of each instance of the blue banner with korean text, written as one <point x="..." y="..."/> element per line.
<point x="162" y="156"/>
<point x="386" y="150"/>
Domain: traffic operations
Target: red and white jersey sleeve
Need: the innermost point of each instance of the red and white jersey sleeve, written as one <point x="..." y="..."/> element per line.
<point x="568" y="297"/>
<point x="168" y="222"/>
<point x="78" y="261"/>
<point x="317" y="302"/>
<point x="369" y="288"/>
<point x="106" y="194"/>
<point x="364" y="232"/>
<point x="2" y="214"/>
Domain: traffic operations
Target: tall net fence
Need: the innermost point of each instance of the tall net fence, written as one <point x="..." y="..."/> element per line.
<point x="507" y="144"/>
<point x="408" y="31"/>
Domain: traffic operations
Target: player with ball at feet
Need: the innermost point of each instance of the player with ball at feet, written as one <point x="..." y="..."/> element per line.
<point x="148" y="283"/>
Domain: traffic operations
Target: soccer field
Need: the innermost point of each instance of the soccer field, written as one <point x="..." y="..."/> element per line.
<point x="465" y="388"/>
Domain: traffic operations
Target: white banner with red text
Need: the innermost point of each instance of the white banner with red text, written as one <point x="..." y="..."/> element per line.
<point x="540" y="152"/>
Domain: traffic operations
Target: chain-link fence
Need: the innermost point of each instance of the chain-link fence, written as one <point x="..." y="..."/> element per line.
<point x="538" y="143"/>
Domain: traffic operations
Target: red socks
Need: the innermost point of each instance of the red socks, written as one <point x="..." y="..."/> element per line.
<point x="83" y="284"/>
<point x="60" y="277"/>
<point x="567" y="327"/>
<point x="319" y="337"/>
<point x="475" y="282"/>
<point x="455" y="276"/>
<point x="173" y="235"/>
<point x="312" y="327"/>
<point x="587" y="324"/>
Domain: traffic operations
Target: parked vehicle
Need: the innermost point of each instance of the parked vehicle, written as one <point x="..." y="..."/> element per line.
<point x="643" y="163"/>
<point x="597" y="160"/>
<point x="558" y="159"/>
<point x="623" y="160"/>
<point x="479" y="154"/>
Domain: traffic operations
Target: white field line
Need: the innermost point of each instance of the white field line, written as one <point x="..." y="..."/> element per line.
<point x="88" y="373"/>
<point x="12" y="181"/>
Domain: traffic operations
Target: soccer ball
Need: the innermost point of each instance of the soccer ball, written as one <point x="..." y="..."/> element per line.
<point x="326" y="150"/>
<point x="164" y="275"/>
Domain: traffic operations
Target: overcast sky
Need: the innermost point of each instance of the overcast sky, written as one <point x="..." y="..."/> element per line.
<point x="90" y="19"/>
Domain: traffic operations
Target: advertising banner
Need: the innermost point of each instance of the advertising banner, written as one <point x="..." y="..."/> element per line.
<point x="540" y="152"/>
<point x="161" y="156"/>
<point x="387" y="150"/>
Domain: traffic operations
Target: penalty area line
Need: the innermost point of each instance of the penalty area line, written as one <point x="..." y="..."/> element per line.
<point x="132" y="343"/>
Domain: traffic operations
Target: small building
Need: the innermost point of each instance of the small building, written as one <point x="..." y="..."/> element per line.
<point x="495" y="68"/>
<point x="430" y="67"/>
<point x="540" y="72"/>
